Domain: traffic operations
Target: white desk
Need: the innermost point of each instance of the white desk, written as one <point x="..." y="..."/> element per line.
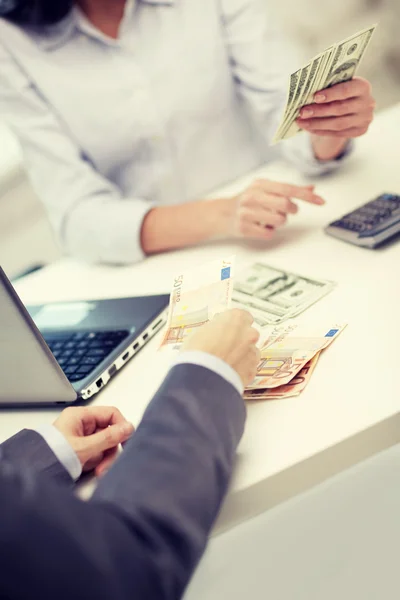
<point x="337" y="541"/>
<point x="350" y="410"/>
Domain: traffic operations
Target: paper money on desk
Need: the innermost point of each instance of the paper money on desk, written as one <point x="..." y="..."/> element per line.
<point x="289" y="348"/>
<point x="289" y="390"/>
<point x="273" y="295"/>
<point x="197" y="296"/>
<point x="336" y="64"/>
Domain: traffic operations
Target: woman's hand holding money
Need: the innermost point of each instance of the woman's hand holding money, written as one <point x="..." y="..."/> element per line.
<point x="338" y="114"/>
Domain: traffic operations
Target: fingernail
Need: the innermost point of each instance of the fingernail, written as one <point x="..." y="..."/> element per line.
<point x="127" y="428"/>
<point x="307" y="113"/>
<point x="320" y="98"/>
<point x="319" y="200"/>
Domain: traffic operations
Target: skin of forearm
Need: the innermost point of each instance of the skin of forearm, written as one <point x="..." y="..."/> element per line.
<point x="328" y="148"/>
<point x="172" y="227"/>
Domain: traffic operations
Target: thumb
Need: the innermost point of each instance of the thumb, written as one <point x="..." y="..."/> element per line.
<point x="109" y="437"/>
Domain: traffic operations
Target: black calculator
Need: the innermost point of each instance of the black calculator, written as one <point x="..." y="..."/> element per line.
<point x="371" y="224"/>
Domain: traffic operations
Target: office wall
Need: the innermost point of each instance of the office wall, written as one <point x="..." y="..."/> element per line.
<point x="314" y="24"/>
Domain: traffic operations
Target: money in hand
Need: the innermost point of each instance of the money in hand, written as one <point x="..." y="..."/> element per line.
<point x="197" y="296"/>
<point x="336" y="64"/>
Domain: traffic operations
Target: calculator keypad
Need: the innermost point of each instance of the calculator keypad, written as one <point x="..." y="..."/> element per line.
<point x="371" y="215"/>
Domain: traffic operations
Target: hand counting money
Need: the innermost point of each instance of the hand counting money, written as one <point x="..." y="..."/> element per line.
<point x="336" y="64"/>
<point x="289" y="352"/>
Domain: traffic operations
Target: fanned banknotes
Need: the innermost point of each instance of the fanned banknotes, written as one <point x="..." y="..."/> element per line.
<point x="288" y="349"/>
<point x="197" y="296"/>
<point x="336" y="64"/>
<point x="273" y="295"/>
<point x="289" y="390"/>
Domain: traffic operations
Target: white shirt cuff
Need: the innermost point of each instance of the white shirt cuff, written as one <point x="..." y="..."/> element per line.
<point x="213" y="363"/>
<point x="300" y="152"/>
<point x="62" y="449"/>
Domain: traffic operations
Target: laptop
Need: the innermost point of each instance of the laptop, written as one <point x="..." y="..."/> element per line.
<point x="59" y="353"/>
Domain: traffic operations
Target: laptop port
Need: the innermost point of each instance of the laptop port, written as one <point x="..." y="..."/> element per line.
<point x="112" y="370"/>
<point x="125" y="356"/>
<point x="99" y="383"/>
<point x="157" y="324"/>
<point x="136" y="346"/>
<point x="146" y="335"/>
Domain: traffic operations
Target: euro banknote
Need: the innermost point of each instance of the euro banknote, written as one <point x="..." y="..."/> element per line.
<point x="288" y="349"/>
<point x="197" y="296"/>
<point x="289" y="390"/>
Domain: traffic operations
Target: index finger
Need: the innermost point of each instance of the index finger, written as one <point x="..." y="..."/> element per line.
<point x="343" y="91"/>
<point x="299" y="192"/>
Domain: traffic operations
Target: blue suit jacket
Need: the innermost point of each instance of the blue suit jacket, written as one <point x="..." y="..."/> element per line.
<point x="145" y="528"/>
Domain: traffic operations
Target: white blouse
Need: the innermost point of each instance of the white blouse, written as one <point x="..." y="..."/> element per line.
<point x="186" y="99"/>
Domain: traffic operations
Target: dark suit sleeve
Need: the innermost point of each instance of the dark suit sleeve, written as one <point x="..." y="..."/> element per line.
<point x="145" y="528"/>
<point x="27" y="449"/>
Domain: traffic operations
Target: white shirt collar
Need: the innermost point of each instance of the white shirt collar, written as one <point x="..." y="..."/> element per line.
<point x="57" y="35"/>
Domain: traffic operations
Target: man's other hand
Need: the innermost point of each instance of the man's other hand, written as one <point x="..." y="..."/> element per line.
<point x="95" y="434"/>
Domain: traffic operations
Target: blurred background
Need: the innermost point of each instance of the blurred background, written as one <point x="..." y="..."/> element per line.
<point x="313" y="25"/>
<point x="25" y="236"/>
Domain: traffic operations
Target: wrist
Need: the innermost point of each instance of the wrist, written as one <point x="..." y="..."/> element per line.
<point x="212" y="362"/>
<point x="60" y="445"/>
<point x="328" y="148"/>
<point x="222" y="216"/>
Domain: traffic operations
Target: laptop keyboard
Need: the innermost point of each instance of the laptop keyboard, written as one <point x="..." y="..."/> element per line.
<point x="78" y="354"/>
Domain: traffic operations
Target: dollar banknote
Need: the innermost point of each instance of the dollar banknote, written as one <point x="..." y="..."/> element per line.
<point x="289" y="390"/>
<point x="305" y="89"/>
<point x="289" y="348"/>
<point x="273" y="295"/>
<point x="336" y="64"/>
<point x="197" y="296"/>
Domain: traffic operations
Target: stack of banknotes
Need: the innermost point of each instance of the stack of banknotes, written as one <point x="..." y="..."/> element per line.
<point x="336" y="64"/>
<point x="289" y="352"/>
<point x="289" y="390"/>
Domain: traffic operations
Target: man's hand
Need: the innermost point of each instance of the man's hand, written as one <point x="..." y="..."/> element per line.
<point x="94" y="433"/>
<point x="264" y="206"/>
<point x="231" y="337"/>
<point x="339" y="113"/>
